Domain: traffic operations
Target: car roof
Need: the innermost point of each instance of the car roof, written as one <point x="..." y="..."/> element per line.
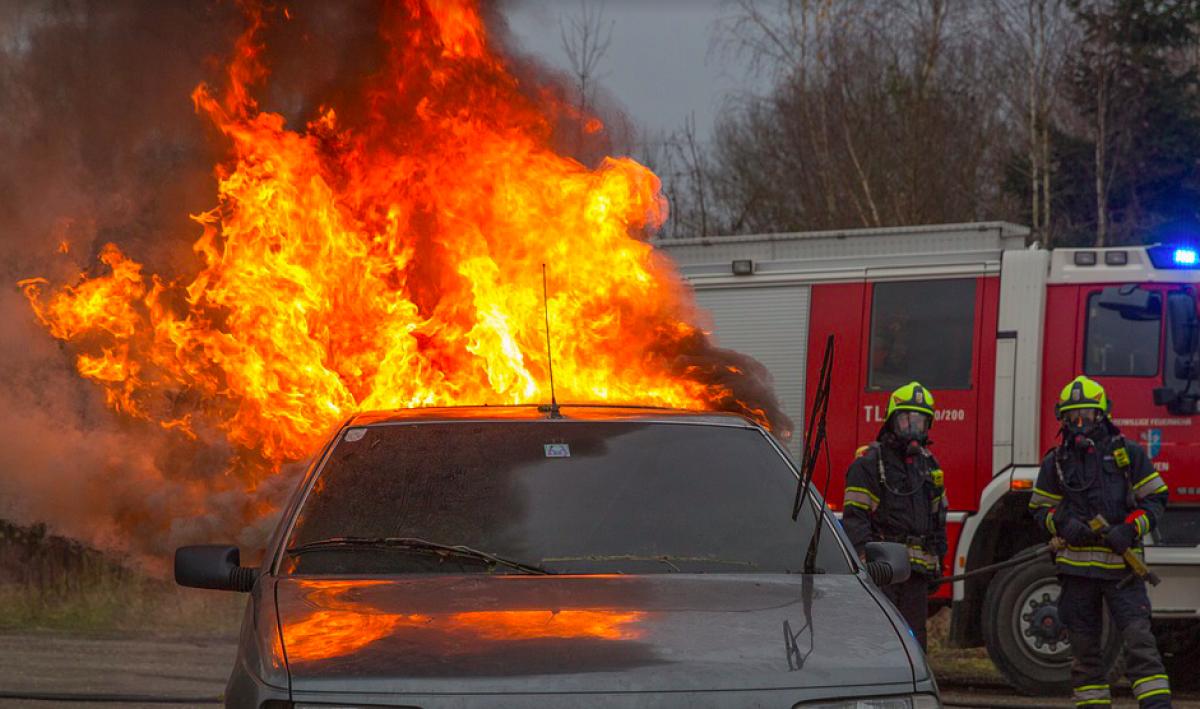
<point x="533" y="412"/>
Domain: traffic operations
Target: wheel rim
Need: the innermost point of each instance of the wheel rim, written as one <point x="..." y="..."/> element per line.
<point x="1040" y="634"/>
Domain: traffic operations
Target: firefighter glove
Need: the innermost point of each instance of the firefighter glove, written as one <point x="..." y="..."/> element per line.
<point x="1075" y="532"/>
<point x="1120" y="537"/>
<point x="936" y="572"/>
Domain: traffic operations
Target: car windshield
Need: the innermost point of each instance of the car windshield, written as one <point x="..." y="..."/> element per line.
<point x="554" y="496"/>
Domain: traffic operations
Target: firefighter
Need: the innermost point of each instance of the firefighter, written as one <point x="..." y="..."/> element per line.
<point x="1095" y="472"/>
<point x="894" y="493"/>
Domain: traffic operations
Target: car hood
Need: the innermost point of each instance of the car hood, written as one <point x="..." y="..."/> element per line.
<point x="506" y="634"/>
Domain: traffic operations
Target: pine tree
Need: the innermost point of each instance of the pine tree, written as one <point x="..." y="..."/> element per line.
<point x="1137" y="99"/>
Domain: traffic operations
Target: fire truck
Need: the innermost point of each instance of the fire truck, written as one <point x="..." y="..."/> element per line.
<point x="994" y="328"/>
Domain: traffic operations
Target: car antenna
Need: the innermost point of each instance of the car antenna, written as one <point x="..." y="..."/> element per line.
<point x="814" y="441"/>
<point x="553" y="410"/>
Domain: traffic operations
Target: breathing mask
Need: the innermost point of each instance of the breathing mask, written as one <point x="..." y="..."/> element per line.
<point x="911" y="427"/>
<point x="1083" y="426"/>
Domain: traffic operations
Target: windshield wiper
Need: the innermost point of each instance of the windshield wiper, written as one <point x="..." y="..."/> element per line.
<point x="814" y="441"/>
<point x="418" y="545"/>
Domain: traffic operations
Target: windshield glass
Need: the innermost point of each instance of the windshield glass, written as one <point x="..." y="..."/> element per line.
<point x="567" y="496"/>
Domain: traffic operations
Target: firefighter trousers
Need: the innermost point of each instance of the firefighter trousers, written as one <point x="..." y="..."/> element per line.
<point x="1081" y="609"/>
<point x="911" y="598"/>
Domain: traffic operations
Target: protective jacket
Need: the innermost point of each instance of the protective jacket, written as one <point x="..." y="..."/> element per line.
<point x="1111" y="477"/>
<point x="896" y="494"/>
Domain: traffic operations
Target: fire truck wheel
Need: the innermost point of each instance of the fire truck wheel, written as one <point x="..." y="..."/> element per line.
<point x="1024" y="636"/>
<point x="1180" y="647"/>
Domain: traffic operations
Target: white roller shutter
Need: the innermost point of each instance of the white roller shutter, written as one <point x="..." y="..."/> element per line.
<point x="771" y="325"/>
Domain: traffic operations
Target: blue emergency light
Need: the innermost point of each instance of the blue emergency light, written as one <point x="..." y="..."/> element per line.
<point x="1174" y="256"/>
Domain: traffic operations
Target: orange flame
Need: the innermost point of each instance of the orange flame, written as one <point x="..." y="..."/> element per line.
<point x="343" y="625"/>
<point x="526" y="624"/>
<point x="395" y="262"/>
<point x="333" y="633"/>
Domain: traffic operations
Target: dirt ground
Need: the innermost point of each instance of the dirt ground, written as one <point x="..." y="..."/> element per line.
<point x="34" y="663"/>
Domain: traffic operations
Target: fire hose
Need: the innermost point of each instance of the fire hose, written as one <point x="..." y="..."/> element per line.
<point x="1024" y="557"/>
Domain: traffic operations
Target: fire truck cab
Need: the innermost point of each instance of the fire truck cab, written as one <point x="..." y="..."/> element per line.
<point x="994" y="328"/>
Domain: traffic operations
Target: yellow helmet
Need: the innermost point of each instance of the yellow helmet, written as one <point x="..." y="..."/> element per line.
<point x="1082" y="393"/>
<point x="911" y="397"/>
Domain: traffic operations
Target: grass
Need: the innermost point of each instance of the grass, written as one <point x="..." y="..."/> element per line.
<point x="960" y="665"/>
<point x="54" y="584"/>
<point x="107" y="603"/>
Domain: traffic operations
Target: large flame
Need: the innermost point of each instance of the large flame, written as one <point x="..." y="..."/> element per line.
<point x="395" y="262"/>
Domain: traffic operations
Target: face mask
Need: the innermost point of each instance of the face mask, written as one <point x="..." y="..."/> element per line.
<point x="911" y="427"/>
<point x="1083" y="422"/>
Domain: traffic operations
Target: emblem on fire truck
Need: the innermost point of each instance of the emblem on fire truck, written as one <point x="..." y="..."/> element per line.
<point x="1152" y="439"/>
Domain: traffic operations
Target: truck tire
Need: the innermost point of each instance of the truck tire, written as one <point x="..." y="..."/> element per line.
<point x="1023" y="634"/>
<point x="1181" y="655"/>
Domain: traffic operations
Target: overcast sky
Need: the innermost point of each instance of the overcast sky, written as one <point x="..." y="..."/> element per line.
<point x="659" y="65"/>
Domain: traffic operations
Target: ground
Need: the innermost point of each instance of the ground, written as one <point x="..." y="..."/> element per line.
<point x="105" y="664"/>
<point x="146" y="662"/>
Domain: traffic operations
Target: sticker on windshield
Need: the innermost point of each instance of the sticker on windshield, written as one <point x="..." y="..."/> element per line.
<point x="355" y="434"/>
<point x="558" y="450"/>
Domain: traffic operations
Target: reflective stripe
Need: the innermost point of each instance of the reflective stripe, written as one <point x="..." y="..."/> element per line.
<point x="1041" y="498"/>
<point x="1100" y="557"/>
<point x="861" y="497"/>
<point x="1050" y="524"/>
<point x="1092" y="694"/>
<point x="922" y="558"/>
<point x="1143" y="524"/>
<point x="864" y="491"/>
<point x="1152" y="685"/>
<point x="1149" y="485"/>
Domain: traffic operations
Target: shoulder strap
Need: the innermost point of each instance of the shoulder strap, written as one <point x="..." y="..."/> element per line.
<point x="869" y="451"/>
<point x="1056" y="454"/>
<point x="876" y="450"/>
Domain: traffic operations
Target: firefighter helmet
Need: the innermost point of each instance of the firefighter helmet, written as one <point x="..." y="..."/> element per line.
<point x="911" y="397"/>
<point x="1082" y="393"/>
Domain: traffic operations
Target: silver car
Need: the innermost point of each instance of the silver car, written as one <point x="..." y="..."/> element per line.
<point x="582" y="556"/>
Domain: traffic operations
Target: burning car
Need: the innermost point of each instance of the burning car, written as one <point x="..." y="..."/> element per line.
<point x="550" y="556"/>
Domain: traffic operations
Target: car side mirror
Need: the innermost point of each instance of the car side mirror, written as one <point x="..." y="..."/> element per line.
<point x="887" y="563"/>
<point x="214" y="566"/>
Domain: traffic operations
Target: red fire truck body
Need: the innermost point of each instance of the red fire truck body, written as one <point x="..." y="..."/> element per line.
<point x="994" y="329"/>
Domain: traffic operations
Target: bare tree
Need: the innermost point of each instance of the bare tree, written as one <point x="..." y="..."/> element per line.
<point x="585" y="40"/>
<point x="1037" y="36"/>
<point x="879" y="115"/>
<point x="1103" y="79"/>
<point x="695" y="165"/>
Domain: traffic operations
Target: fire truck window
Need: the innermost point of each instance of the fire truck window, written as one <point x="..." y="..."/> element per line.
<point x="922" y="330"/>
<point x="1124" y="329"/>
